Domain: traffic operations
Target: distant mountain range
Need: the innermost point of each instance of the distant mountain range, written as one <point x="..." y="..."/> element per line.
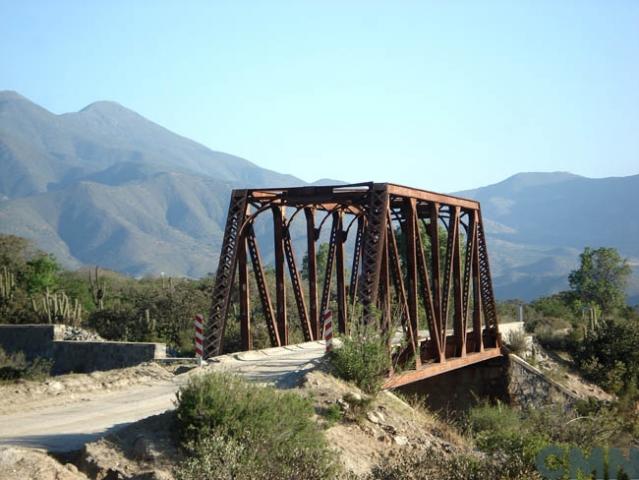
<point x="106" y="186"/>
<point x="538" y="223"/>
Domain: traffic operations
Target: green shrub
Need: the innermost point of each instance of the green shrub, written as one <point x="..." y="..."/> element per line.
<point x="15" y="367"/>
<point x="333" y="414"/>
<point x="119" y="324"/>
<point x="519" y="435"/>
<point x="608" y="355"/>
<point x="552" y="339"/>
<point x="517" y="342"/>
<point x="499" y="428"/>
<point x="235" y="429"/>
<point x="363" y="359"/>
<point x="433" y="465"/>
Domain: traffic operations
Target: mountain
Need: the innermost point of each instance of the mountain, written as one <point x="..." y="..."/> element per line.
<point x="41" y="151"/>
<point x="538" y="223"/>
<point x="106" y="186"/>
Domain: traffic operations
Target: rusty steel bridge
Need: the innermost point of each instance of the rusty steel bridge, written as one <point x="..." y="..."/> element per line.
<point x="412" y="261"/>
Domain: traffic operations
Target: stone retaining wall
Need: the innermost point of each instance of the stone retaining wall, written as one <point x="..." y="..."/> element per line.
<point x="528" y="387"/>
<point x="74" y="356"/>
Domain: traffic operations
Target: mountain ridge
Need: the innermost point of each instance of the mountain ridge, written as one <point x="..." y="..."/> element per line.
<point x="107" y="186"/>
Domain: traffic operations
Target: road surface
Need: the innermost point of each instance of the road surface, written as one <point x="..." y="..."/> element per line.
<point x="69" y="426"/>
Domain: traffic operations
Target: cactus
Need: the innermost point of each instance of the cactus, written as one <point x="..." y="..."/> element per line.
<point x="7" y="284"/>
<point x="58" y="308"/>
<point x="149" y="322"/>
<point x="167" y="284"/>
<point x="98" y="288"/>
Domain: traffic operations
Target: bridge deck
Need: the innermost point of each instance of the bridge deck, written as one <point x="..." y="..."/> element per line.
<point x="284" y="366"/>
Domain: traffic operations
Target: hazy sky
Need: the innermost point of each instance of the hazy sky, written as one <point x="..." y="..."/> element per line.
<point x="443" y="95"/>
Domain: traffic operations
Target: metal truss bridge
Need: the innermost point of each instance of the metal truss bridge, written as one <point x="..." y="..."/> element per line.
<point x="410" y="263"/>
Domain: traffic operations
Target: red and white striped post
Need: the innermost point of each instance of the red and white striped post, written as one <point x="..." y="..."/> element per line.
<point x="327" y="317"/>
<point x="199" y="337"/>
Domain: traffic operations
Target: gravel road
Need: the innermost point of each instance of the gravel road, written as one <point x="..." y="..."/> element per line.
<point x="65" y="427"/>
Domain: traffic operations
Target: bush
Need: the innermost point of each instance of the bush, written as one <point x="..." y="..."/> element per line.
<point x="363" y="359"/>
<point x="608" y="355"/>
<point x="15" y="367"/>
<point x="518" y="436"/>
<point x="433" y="465"/>
<point x="552" y="339"/>
<point x="235" y="429"/>
<point x="517" y="342"/>
<point x="499" y="429"/>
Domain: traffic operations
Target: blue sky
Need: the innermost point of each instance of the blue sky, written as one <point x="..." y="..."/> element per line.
<point x="437" y="95"/>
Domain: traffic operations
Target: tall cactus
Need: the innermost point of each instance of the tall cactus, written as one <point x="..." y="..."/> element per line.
<point x="58" y="308"/>
<point x="98" y="288"/>
<point x="7" y="284"/>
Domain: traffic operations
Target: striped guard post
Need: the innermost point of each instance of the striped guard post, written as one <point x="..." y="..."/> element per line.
<point x="199" y="336"/>
<point x="328" y="329"/>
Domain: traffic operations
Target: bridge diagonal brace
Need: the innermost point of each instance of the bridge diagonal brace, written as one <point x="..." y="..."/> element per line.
<point x="398" y="280"/>
<point x="471" y="238"/>
<point x="262" y="287"/>
<point x="486" y="285"/>
<point x="448" y="268"/>
<point x="297" y="286"/>
<point x="427" y="294"/>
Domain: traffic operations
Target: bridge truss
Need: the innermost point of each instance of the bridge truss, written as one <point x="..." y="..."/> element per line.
<point x="413" y="263"/>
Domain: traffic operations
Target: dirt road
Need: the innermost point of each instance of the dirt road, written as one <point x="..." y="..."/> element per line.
<point x="68" y="426"/>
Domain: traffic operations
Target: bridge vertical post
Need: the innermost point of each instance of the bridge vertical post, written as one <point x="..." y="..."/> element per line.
<point x="245" y="305"/>
<point x="339" y="271"/>
<point x="309" y="212"/>
<point x="459" y="323"/>
<point x="376" y="214"/>
<point x="280" y="289"/>
<point x="435" y="265"/>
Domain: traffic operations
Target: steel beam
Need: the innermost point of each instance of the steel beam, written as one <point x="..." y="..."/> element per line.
<point x="339" y="271"/>
<point x="245" y="301"/>
<point x="280" y="285"/>
<point x="309" y="212"/>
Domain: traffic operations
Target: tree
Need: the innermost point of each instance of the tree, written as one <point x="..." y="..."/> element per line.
<point x="601" y="278"/>
<point x="41" y="273"/>
<point x="321" y="258"/>
<point x="14" y="251"/>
